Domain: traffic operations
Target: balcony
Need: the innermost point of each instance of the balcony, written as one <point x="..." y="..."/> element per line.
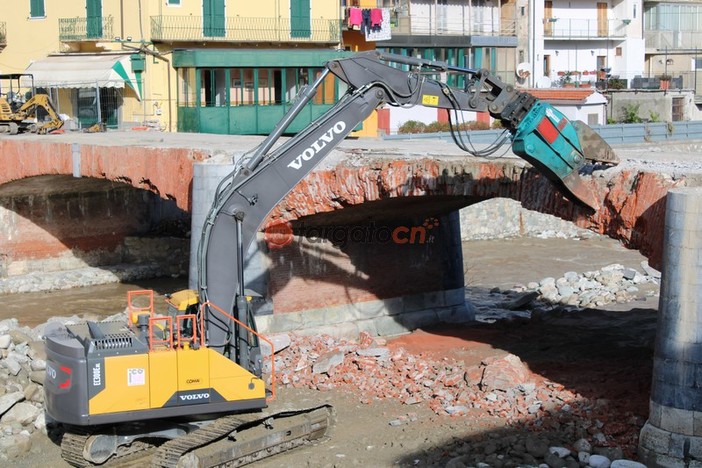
<point x="662" y="39"/>
<point x="588" y="29"/>
<point x="85" y="29"/>
<point x="3" y="35"/>
<point x="244" y="30"/>
<point x="454" y="31"/>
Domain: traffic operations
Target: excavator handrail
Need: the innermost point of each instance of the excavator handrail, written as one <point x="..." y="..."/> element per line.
<point x="250" y="330"/>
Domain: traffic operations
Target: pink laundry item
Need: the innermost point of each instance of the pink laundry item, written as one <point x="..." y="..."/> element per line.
<point x="376" y="17"/>
<point x="355" y="17"/>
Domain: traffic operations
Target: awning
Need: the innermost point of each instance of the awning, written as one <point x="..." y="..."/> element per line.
<point x="85" y="71"/>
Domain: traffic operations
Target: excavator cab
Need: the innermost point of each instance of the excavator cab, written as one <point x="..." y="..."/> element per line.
<point x="21" y="107"/>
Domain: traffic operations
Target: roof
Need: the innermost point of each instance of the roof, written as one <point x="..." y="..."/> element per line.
<point x="561" y="94"/>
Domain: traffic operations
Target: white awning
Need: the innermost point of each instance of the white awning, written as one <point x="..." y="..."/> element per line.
<point x="84" y="71"/>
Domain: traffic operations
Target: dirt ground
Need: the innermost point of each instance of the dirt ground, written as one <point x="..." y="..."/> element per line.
<point x="603" y="355"/>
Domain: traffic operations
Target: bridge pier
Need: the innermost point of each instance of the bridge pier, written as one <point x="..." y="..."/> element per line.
<point x="386" y="267"/>
<point x="672" y="436"/>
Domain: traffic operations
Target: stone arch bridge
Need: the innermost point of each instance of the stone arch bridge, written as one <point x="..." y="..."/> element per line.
<point x="364" y="189"/>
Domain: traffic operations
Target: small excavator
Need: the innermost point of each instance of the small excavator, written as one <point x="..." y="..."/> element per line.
<point x="188" y="388"/>
<point x="19" y="105"/>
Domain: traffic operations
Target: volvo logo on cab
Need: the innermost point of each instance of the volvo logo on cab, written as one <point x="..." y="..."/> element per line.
<point x="326" y="138"/>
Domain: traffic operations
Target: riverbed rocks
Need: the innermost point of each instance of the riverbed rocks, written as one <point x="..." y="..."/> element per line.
<point x="22" y="370"/>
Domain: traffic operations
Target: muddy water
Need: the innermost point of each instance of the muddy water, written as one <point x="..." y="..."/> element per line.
<point x="32" y="309"/>
<point x="488" y="264"/>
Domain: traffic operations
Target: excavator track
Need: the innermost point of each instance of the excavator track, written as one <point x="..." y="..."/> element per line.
<point x="229" y="441"/>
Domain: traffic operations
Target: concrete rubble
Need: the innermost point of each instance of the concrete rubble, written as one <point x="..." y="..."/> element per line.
<point x="557" y="427"/>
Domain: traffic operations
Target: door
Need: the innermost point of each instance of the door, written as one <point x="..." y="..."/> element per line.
<point x="602" y="29"/>
<point x="93" y="9"/>
<point x="213" y="18"/>
<point x="547" y="65"/>
<point x="300" y="18"/>
<point x="548" y="16"/>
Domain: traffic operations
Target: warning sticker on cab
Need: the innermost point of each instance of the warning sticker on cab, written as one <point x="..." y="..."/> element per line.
<point x="430" y="100"/>
<point x="136" y="376"/>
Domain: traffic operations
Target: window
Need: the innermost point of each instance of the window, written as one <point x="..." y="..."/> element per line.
<point x="618" y="51"/>
<point x="174" y="2"/>
<point x="36" y="9"/>
<point x="188" y="93"/>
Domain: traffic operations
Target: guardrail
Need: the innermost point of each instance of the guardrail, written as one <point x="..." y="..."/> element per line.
<point x="85" y="29"/>
<point x="576" y="28"/>
<point x="616" y="134"/>
<point x="242" y="29"/>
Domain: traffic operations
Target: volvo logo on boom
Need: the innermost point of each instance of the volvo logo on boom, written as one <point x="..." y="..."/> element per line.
<point x="326" y="138"/>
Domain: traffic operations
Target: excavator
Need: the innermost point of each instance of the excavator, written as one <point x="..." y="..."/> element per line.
<point x="192" y="387"/>
<point x="18" y="113"/>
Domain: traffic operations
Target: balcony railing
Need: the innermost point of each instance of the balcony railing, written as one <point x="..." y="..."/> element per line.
<point x="671" y="40"/>
<point x="85" y="29"/>
<point x="3" y="34"/>
<point x="238" y="29"/>
<point x="459" y="25"/>
<point x="574" y="28"/>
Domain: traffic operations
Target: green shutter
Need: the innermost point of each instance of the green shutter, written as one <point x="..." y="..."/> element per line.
<point x="300" y="18"/>
<point x="36" y="9"/>
<point x="213" y="18"/>
<point x="174" y="2"/>
<point x="93" y="10"/>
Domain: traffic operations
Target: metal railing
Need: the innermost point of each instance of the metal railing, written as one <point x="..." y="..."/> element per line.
<point x="666" y="39"/>
<point x="241" y="29"/>
<point x="614" y="134"/>
<point x="85" y="29"/>
<point x="458" y="25"/>
<point x="575" y="28"/>
<point x="3" y="34"/>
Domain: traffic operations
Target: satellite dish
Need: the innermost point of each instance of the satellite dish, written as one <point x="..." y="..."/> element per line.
<point x="523" y="70"/>
<point x="543" y="82"/>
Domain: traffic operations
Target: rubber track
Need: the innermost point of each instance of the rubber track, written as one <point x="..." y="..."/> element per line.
<point x="168" y="454"/>
<point x="136" y="454"/>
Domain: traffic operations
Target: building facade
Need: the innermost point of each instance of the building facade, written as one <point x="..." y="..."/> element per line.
<point x="127" y="63"/>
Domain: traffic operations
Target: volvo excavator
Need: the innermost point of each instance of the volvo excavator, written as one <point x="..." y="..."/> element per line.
<point x="19" y="112"/>
<point x="188" y="388"/>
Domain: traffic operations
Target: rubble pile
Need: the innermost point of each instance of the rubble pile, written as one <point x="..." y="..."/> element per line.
<point x="22" y="372"/>
<point x="501" y="387"/>
<point x="612" y="283"/>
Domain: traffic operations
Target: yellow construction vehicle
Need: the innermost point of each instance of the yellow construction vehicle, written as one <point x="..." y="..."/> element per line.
<point x="19" y="105"/>
<point x="189" y="388"/>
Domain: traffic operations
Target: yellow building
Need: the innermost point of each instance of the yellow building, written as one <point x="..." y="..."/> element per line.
<point x="186" y="65"/>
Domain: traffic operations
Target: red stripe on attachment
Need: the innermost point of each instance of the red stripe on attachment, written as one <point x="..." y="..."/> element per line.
<point x="547" y="130"/>
<point x="65" y="369"/>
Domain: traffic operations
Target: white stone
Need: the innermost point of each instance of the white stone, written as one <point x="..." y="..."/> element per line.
<point x="12" y="365"/>
<point x="8" y="400"/>
<point x="23" y="413"/>
<point x="560" y="452"/>
<point x="37" y="365"/>
<point x="5" y="341"/>
<point x="626" y="464"/>
<point x="599" y="461"/>
<point x="280" y="342"/>
<point x="582" y="445"/>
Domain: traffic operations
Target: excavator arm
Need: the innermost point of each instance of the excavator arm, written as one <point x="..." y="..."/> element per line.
<point x="29" y="110"/>
<point x="540" y="134"/>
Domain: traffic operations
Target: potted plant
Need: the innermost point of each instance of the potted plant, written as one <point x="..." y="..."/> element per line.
<point x="665" y="81"/>
<point x="567" y="80"/>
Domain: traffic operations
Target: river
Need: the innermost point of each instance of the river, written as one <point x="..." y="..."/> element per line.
<point x="487" y="264"/>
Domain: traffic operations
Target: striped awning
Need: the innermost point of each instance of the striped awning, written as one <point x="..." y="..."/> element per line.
<point x="85" y="71"/>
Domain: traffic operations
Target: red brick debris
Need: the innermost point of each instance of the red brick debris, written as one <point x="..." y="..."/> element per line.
<point x="501" y="386"/>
